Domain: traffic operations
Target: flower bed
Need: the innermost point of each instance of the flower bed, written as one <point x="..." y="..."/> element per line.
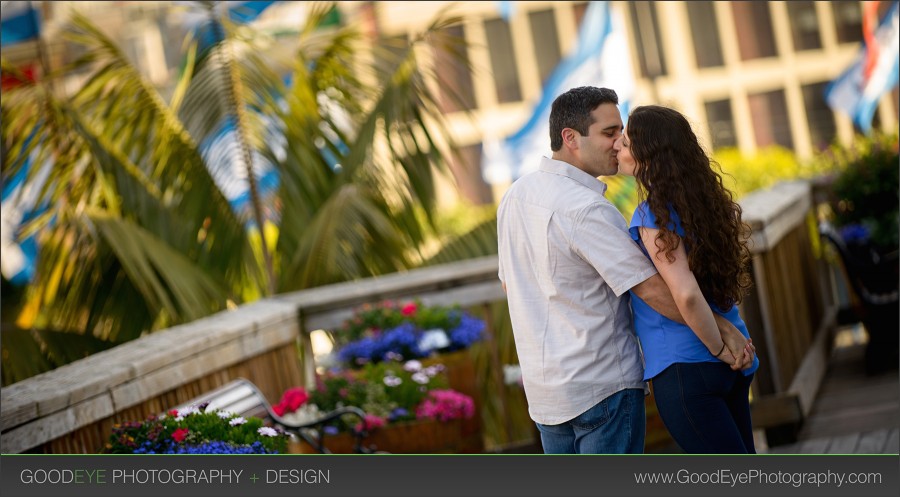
<point x="393" y="331"/>
<point x="195" y="430"/>
<point x="412" y="437"/>
<point x="394" y="395"/>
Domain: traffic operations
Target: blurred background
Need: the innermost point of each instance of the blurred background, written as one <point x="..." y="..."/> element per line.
<point x="166" y="160"/>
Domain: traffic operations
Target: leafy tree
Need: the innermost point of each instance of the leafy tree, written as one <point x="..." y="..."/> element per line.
<point x="139" y="234"/>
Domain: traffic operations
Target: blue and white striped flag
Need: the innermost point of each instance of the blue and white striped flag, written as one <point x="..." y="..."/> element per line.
<point x="601" y="58"/>
<point x="856" y="93"/>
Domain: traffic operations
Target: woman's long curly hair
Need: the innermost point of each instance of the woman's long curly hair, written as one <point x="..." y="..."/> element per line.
<point x="674" y="171"/>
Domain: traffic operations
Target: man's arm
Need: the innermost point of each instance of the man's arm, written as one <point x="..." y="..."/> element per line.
<point x="656" y="294"/>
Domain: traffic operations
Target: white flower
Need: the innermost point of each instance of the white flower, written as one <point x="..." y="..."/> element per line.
<point x="433" y="339"/>
<point x="307" y="412"/>
<point x="187" y="411"/>
<point x="420" y="378"/>
<point x="268" y="432"/>
<point x="237" y="421"/>
<point x="392" y="381"/>
<point x="512" y="374"/>
<point x="224" y="414"/>
<point x="432" y="371"/>
<point x="412" y="365"/>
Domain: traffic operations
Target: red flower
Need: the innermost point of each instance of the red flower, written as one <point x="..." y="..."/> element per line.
<point x="291" y="400"/>
<point x="408" y="309"/>
<point x="173" y="413"/>
<point x="180" y="434"/>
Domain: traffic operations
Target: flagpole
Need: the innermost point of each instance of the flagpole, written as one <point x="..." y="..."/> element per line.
<point x="41" y="49"/>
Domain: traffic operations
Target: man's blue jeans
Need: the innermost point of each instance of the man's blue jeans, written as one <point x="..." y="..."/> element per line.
<point x="705" y="407"/>
<point x="614" y="426"/>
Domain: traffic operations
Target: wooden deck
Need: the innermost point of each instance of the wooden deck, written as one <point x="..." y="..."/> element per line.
<point x="853" y="413"/>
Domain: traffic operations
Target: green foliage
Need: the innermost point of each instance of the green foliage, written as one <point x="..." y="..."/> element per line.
<point x="743" y="174"/>
<point x="389" y="390"/>
<point x="190" y="427"/>
<point x="865" y="187"/>
<point x="139" y="236"/>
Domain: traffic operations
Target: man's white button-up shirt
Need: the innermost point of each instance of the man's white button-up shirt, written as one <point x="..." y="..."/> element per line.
<point x="568" y="262"/>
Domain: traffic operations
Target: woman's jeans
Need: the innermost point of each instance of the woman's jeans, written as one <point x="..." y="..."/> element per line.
<point x="614" y="426"/>
<point x="705" y="407"/>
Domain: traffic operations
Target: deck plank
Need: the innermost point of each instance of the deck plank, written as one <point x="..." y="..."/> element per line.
<point x="813" y="446"/>
<point x="844" y="444"/>
<point x="853" y="413"/>
<point x="893" y="442"/>
<point x="873" y="442"/>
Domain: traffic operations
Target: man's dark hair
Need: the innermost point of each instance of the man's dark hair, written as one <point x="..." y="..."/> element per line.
<point x="573" y="109"/>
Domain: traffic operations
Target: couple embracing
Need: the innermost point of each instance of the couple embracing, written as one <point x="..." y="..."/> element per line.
<point x="599" y="307"/>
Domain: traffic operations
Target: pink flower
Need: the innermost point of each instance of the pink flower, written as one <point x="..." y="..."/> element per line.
<point x="371" y="422"/>
<point x="173" y="413"/>
<point x="445" y="405"/>
<point x="409" y="309"/>
<point x="180" y="434"/>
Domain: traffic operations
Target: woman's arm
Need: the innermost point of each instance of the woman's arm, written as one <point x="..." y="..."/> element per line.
<point x="687" y="295"/>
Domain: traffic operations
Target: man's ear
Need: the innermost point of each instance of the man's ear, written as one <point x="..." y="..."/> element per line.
<point x="569" y="137"/>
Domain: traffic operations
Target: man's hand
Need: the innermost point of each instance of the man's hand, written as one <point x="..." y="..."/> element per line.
<point x="740" y="348"/>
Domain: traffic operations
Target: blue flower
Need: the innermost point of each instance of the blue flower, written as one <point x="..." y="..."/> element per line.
<point x="398" y="413"/>
<point x="855" y="233"/>
<point x="469" y="331"/>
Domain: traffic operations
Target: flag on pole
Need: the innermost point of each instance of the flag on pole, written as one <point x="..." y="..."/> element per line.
<point x="857" y="91"/>
<point x="601" y="58"/>
<point x="19" y="22"/>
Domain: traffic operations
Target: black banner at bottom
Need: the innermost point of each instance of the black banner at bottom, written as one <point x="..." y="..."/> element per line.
<point x="448" y="475"/>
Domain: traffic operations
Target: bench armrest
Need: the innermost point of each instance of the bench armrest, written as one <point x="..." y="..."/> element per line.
<point x="317" y="441"/>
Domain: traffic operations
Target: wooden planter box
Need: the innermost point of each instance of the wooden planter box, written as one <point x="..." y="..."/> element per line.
<point x="460" y="371"/>
<point x="414" y="437"/>
<point x="425" y="436"/>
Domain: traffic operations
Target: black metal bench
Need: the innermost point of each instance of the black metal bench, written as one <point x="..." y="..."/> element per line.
<point x="243" y="398"/>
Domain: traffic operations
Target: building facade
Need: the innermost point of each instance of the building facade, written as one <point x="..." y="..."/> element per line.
<point x="748" y="74"/>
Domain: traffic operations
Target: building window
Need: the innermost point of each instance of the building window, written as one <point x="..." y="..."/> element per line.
<point x="465" y="163"/>
<point x="848" y="21"/>
<point x="503" y="60"/>
<point x="546" y="42"/>
<point x="804" y="25"/>
<point x="753" y="24"/>
<point x="452" y="71"/>
<point x="771" y="124"/>
<point x="704" y="29"/>
<point x="721" y="123"/>
<point x="646" y="39"/>
<point x="819" y="116"/>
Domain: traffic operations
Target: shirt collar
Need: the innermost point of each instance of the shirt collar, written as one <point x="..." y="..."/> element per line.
<point x="561" y="168"/>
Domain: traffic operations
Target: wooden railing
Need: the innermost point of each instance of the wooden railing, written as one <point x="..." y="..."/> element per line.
<point x="790" y="311"/>
<point x="73" y="408"/>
